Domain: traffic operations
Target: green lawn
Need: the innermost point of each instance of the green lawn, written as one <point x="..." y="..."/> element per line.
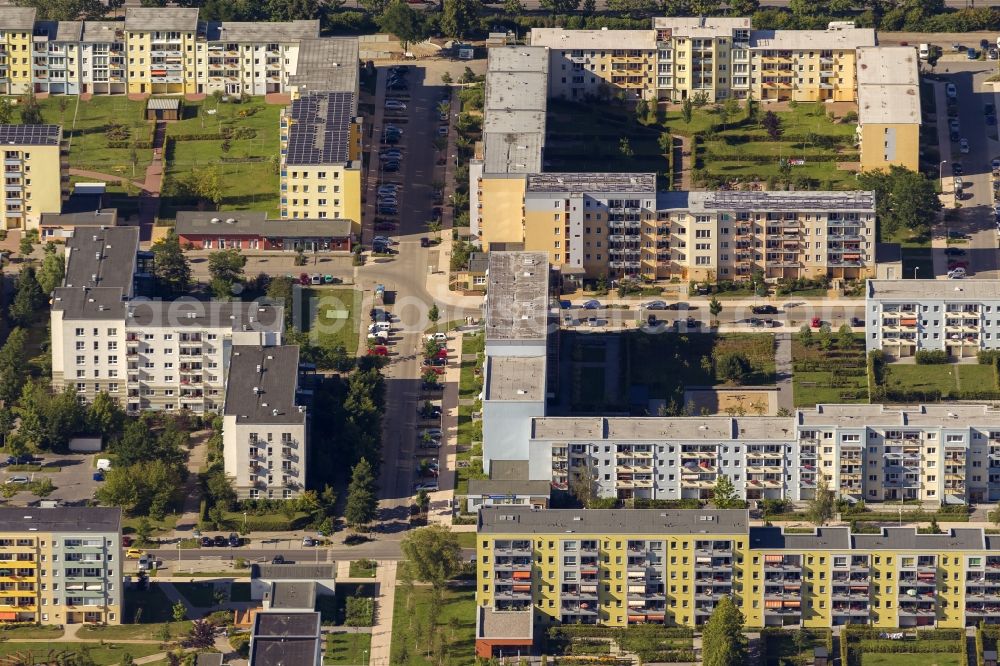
<point x="113" y="632"/>
<point x="150" y="605"/>
<point x="199" y="594"/>
<point x="425" y="632"/>
<point x="912" y="377"/>
<point x="248" y="176"/>
<point x="348" y="649"/>
<point x="88" y="143"/>
<point x="469" y="382"/>
<point x="973" y="376"/>
<point x="31" y="631"/>
<point x="905" y="659"/>
<point x="102" y="655"/>
<point x="466" y="539"/>
<point x="327" y="327"/>
<point x="473" y="344"/>
<point x="833" y="376"/>
<point x="159" y="526"/>
<point x="363" y="569"/>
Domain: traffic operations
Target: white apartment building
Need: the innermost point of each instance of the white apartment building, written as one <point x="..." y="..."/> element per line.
<point x="957" y="316"/>
<point x="249" y="58"/>
<point x="102" y="61"/>
<point x="265" y="426"/>
<point x="148" y="354"/>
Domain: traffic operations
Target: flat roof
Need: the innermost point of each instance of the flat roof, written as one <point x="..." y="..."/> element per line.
<point x="524" y="520"/>
<point x="30" y="135"/>
<point x="142" y="19"/>
<point x="729" y="200"/>
<point x="261" y="31"/>
<point x="209" y="659"/>
<point x="102" y="257"/>
<point x="519" y="487"/>
<point x="515" y="378"/>
<point x="326" y="64"/>
<point x="659" y="428"/>
<point x="17" y="18"/>
<point x="944" y="416"/>
<point x="243" y="222"/>
<point x="942" y="290"/>
<point x="163" y="103"/>
<point x="907" y="539"/>
<point x="283" y="639"/>
<point x="701" y="26"/>
<point x="515" y="100"/>
<point x="59" y="31"/>
<point x="560" y="38"/>
<point x="505" y="624"/>
<point x="822" y="538"/>
<point x="888" y="66"/>
<point x="626" y="183"/>
<point x="188" y="312"/>
<point x="92" y="218"/>
<point x="293" y="571"/>
<point x="319" y="128"/>
<point x="103" y="31"/>
<point x="290" y="595"/>
<point x="106" y="303"/>
<point x="888" y="85"/>
<point x="517" y="296"/>
<point x="262" y="385"/>
<point x="61" y="519"/>
<point x="812" y="40"/>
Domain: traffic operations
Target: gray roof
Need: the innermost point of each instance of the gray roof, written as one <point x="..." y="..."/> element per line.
<point x="105" y="217"/>
<point x="285" y="639"/>
<point x="524" y="520"/>
<point x="928" y="290"/>
<point x="505" y="624"/>
<point x="822" y="538"/>
<point x="514" y="109"/>
<point x="517" y="296"/>
<point x="63" y="519"/>
<point x="261" y="31"/>
<point x="293" y="571"/>
<point x="191" y="223"/>
<point x="941" y="416"/>
<point x="644" y="428"/>
<point x="479" y="262"/>
<point x="262" y="384"/>
<point x="163" y="103"/>
<point x="320" y="128"/>
<point x="515" y="378"/>
<point x="107" y="254"/>
<point x="103" y="31"/>
<point x="837" y="38"/>
<point x="83" y="303"/>
<point x="209" y="659"/>
<point x="630" y="183"/>
<point x="906" y="538"/>
<point x="30" y="135"/>
<point x="141" y="19"/>
<point x="732" y="200"/>
<point x="17" y="18"/>
<point x="293" y="595"/>
<point x="232" y="315"/>
<point x="888" y="85"/>
<point x="561" y="38"/>
<point x="59" y="31"/>
<point x="329" y="64"/>
<point x="494" y="487"/>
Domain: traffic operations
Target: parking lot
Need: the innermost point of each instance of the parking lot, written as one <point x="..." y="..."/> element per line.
<point x="72" y="475"/>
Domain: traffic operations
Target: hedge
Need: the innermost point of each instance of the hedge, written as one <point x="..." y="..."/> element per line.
<point x="139" y="145"/>
<point x="909" y="647"/>
<point x="204" y="136"/>
<point x="931" y="357"/>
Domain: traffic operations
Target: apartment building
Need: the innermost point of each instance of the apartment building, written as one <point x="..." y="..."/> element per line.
<point x="599" y="64"/>
<point x="244" y="58"/>
<point x="103" y="69"/>
<point x="513" y="140"/>
<point x="807" y="65"/>
<point x="624" y="567"/>
<point x="147" y="354"/>
<point x="60" y="566"/>
<point x="321" y="158"/>
<point x="33" y="174"/>
<point x="960" y="317"/>
<point x="161" y="45"/>
<point x="888" y="107"/>
<point x="56" y="57"/>
<point x="17" y="29"/>
<point x="707" y="56"/>
<point x="264" y="423"/>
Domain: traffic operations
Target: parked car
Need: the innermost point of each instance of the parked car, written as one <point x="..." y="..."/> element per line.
<point x="427" y="486"/>
<point x="220" y="541"/>
<point x="971" y="54"/>
<point x="656" y="305"/>
<point x="206" y="542"/>
<point x="19" y="480"/>
<point x="438" y="337"/>
<point x="278" y="559"/>
<point x="953" y="136"/>
<point x="764" y="309"/>
<point x="394" y="105"/>
<point x="434" y="433"/>
<point x="126" y="541"/>
<point x="954" y="125"/>
<point x="591" y="305"/>
<point x="954" y="252"/>
<point x="133" y="553"/>
<point x="443" y="130"/>
<point x="391" y="167"/>
<point x="957" y="169"/>
<point x="950" y="89"/>
<point x="963" y="146"/>
<point x="425" y="242"/>
<point x="308" y="542"/>
<point x="378" y="350"/>
<point x="816" y="322"/>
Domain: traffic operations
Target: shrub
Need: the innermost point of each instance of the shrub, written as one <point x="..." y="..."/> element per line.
<point x="360" y="612"/>
<point x="931" y="357"/>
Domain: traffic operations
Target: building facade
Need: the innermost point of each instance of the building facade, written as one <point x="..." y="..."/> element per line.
<point x="706" y="56"/>
<point x="889" y="112"/>
<point x="33" y="174"/>
<point x="264" y="423"/>
<point x="624" y="567"/>
<point x="61" y="566"/>
<point x="251" y="230"/>
<point x="960" y="317"/>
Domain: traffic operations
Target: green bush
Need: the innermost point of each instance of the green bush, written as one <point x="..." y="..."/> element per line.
<point x="360" y="612"/>
<point x="241" y="644"/>
<point x="931" y="357"/>
<point x="909" y="647"/>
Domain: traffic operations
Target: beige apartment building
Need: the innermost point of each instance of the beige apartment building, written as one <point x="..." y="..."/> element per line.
<point x="321" y="158"/>
<point x="161" y="47"/>
<point x="707" y="56"/>
<point x="889" y="107"/>
<point x="33" y="168"/>
<point x="16" y="47"/>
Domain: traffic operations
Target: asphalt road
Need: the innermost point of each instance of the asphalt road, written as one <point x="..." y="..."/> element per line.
<point x="975" y="217"/>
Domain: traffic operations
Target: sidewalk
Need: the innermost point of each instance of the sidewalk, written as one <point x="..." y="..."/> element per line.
<point x="381" y="645"/>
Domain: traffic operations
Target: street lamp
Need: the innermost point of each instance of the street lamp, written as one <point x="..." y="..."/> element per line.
<point x="941" y="173"/>
<point x="915" y="269"/>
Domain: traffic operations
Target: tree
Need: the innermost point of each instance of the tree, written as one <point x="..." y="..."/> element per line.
<point x="714" y="308"/>
<point x="199" y="183"/>
<point x="772" y="125"/>
<point x="729" y="110"/>
<point x="65" y="10"/>
<point x="13" y="366"/>
<point x="665" y="142"/>
<point x="752" y="108"/>
<point x="143" y="531"/>
<point x="904" y="200"/>
<point x="821" y="507"/>
<point x="458" y="17"/>
<point x="845" y="337"/>
<point x="26" y="245"/>
<point x="559" y="6"/>
<point x="687" y="110"/>
<point x="170" y="266"/>
<point x="423" y="500"/>
<point x="281" y="289"/>
<point x="31" y="112"/>
<point x="433" y="314"/>
<point x="6" y="112"/>
<point x="202" y="634"/>
<point x="6" y="424"/>
<point x="724" y="494"/>
<point x="403" y="21"/>
<point x="994" y="515"/>
<point x="362" y="502"/>
<point x="806" y="335"/>
<point x="734" y="368"/>
<point x="582" y="486"/>
<point x="179" y="611"/>
<point x="433" y="555"/>
<point x="723" y="642"/>
<point x="104" y="416"/>
<point x="743" y="7"/>
<point x="50" y="275"/>
<point x="625" y="148"/>
<point x="226" y="270"/>
<point x="513" y="7"/>
<point x="825" y="337"/>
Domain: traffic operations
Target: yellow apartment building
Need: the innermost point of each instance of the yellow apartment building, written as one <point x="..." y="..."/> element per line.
<point x="161" y="50"/>
<point x="635" y="566"/>
<point x="60" y="566"/>
<point x="806" y="65"/>
<point x="16" y="49"/>
<point x="33" y="169"/>
<point x="321" y="158"/>
<point x="707" y="56"/>
<point x="889" y="108"/>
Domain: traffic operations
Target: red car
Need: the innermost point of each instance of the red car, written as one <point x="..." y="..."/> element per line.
<point x="304" y="279"/>
<point x="436" y="370"/>
<point x="442" y="353"/>
<point x="126" y="541"/>
<point x="378" y="350"/>
<point x="816" y="322"/>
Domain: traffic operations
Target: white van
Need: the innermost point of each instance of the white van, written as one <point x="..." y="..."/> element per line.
<point x="103" y="464"/>
<point x="924" y="51"/>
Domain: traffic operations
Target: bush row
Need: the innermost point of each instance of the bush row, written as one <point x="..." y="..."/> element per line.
<point x="908" y="647"/>
<point x="138" y="145"/>
<point x="931" y="357"/>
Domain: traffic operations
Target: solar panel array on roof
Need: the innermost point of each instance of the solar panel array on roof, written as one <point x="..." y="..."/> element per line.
<point x="319" y="128"/>
<point x="33" y="135"/>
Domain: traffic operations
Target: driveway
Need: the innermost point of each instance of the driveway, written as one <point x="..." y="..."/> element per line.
<point x="71" y="474"/>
